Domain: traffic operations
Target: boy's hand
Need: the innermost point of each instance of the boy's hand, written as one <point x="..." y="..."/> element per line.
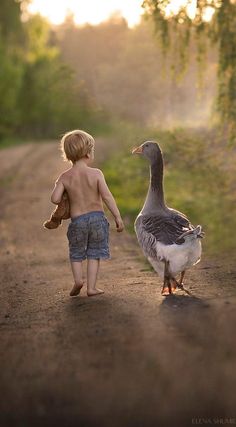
<point x="119" y="225"/>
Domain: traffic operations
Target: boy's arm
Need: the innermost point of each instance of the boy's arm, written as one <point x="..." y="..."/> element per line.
<point x="57" y="191"/>
<point x="109" y="201"/>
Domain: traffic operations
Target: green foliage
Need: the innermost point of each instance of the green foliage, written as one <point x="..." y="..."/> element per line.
<point x="11" y="73"/>
<point x="50" y="99"/>
<point x="197" y="180"/>
<point x="11" y="68"/>
<point x="40" y="96"/>
<point x="220" y="30"/>
<point x="10" y="23"/>
<point x="226" y="37"/>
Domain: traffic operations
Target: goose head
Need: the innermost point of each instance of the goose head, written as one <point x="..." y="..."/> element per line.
<point x="150" y="150"/>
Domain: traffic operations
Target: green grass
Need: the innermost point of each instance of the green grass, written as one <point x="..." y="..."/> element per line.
<point x="10" y="142"/>
<point x="6" y="181"/>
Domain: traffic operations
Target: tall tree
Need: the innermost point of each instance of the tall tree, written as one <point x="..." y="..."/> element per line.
<point x="51" y="100"/>
<point x="11" y="68"/>
<point x="10" y="22"/>
<point x="38" y="91"/>
<point x="213" y="20"/>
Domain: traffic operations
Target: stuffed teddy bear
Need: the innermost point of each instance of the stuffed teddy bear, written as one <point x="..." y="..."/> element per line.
<point x="61" y="212"/>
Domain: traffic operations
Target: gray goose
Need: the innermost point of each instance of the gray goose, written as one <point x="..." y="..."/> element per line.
<point x="168" y="239"/>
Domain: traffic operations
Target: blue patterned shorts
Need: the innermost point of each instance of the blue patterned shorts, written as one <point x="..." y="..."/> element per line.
<point x="88" y="236"/>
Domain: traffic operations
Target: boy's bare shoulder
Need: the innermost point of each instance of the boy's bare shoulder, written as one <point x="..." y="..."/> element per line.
<point x="64" y="174"/>
<point x="96" y="172"/>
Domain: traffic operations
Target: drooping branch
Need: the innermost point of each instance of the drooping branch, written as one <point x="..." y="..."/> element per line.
<point x="210" y="20"/>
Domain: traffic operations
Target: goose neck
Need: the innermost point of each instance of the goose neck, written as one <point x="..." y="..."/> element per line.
<point x="156" y="179"/>
<point x="155" y="197"/>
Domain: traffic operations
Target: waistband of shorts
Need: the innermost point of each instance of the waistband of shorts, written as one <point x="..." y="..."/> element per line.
<point x="88" y="215"/>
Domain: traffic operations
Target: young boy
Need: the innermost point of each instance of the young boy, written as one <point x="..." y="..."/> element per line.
<point x="88" y="230"/>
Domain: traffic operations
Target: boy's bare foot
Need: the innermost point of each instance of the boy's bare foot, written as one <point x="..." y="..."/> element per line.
<point x="94" y="292"/>
<point x="76" y="289"/>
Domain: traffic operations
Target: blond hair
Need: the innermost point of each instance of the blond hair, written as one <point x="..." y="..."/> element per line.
<point x="76" y="144"/>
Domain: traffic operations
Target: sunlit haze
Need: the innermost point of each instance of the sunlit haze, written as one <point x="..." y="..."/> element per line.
<point x="87" y="11"/>
<point x="96" y="11"/>
<point x="191" y="7"/>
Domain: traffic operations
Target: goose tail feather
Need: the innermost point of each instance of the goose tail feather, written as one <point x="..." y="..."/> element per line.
<point x="196" y="233"/>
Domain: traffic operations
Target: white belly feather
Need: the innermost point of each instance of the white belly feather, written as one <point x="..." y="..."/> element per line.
<point x="180" y="257"/>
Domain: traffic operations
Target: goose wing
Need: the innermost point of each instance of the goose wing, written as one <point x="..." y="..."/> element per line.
<point x="180" y="219"/>
<point x="167" y="229"/>
<point x="151" y="229"/>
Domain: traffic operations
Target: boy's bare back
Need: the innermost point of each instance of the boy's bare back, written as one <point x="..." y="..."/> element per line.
<point x="82" y="185"/>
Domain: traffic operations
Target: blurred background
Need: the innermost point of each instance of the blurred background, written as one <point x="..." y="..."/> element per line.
<point x="128" y="71"/>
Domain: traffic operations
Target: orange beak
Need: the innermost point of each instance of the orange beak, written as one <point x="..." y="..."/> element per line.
<point x="137" y="150"/>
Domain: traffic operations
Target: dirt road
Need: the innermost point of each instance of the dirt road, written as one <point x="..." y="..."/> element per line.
<point x="130" y="358"/>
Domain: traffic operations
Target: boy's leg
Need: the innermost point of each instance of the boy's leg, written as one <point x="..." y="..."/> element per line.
<point x="92" y="272"/>
<point x="77" y="271"/>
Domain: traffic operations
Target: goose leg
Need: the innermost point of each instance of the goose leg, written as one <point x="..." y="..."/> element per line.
<point x="181" y="282"/>
<point x="166" y="290"/>
<point x="179" y="285"/>
<point x="174" y="283"/>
